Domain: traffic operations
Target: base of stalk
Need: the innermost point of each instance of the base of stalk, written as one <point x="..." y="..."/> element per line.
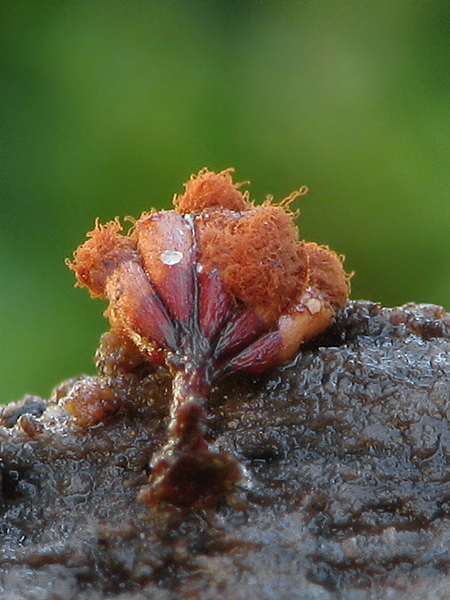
<point x="195" y="479"/>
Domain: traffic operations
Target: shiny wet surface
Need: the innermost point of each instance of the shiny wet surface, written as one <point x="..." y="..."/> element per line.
<point x="346" y="493"/>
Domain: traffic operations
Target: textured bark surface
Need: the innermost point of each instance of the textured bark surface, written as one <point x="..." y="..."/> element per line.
<point x="346" y="492"/>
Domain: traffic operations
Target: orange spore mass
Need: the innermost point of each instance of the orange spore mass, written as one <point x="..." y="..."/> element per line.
<point x="208" y="189"/>
<point x="325" y="273"/>
<point x="259" y="255"/>
<point x="100" y="256"/>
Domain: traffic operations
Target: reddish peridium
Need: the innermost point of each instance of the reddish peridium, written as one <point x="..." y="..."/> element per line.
<point x="216" y="286"/>
<point x="165" y="241"/>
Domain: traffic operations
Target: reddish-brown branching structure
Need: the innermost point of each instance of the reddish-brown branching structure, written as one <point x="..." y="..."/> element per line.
<point x="216" y="286"/>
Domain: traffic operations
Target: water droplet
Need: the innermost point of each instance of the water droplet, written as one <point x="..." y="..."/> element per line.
<point x="314" y="305"/>
<point x="171" y="257"/>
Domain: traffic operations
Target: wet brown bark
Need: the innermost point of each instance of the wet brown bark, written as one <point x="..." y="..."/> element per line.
<point x="345" y="494"/>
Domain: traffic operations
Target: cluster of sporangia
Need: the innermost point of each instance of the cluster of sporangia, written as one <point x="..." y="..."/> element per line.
<point x="215" y="286"/>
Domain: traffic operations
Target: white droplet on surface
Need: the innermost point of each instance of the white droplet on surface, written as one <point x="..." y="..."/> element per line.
<point x="314" y="305"/>
<point x="171" y="257"/>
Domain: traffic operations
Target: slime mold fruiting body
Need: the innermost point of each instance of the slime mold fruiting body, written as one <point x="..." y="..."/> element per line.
<point x="215" y="286"/>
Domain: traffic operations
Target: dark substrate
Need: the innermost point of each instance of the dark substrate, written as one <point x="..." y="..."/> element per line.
<point x="346" y="493"/>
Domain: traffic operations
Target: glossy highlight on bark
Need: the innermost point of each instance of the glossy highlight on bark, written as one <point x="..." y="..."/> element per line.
<point x="215" y="286"/>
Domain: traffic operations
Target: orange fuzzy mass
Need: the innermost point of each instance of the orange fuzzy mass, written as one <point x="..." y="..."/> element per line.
<point x="100" y="255"/>
<point x="326" y="274"/>
<point x="208" y="189"/>
<point x="258" y="254"/>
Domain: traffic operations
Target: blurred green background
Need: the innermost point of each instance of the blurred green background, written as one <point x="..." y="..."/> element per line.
<point x="107" y="107"/>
